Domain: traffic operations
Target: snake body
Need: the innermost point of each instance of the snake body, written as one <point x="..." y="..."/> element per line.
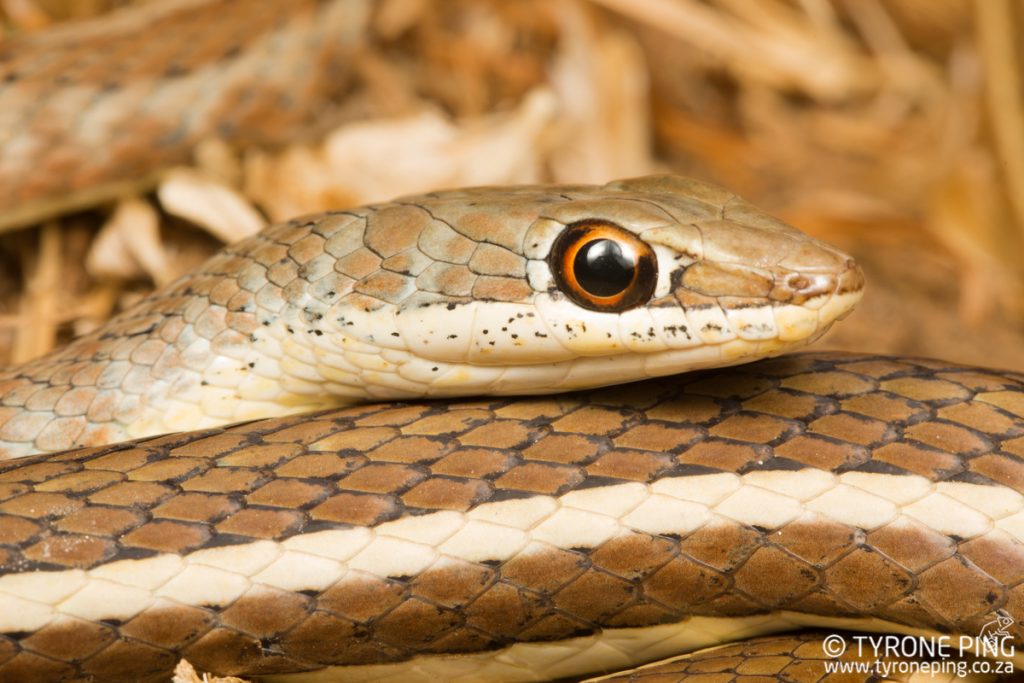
<point x="96" y="109"/>
<point x="487" y="538"/>
<point x="527" y="538"/>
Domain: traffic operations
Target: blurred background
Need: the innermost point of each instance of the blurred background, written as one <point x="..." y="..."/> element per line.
<point x="891" y="128"/>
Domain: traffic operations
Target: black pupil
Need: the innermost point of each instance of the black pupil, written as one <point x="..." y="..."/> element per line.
<point x="602" y="269"/>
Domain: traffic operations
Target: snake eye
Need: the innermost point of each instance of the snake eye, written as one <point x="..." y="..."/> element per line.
<point x="603" y="267"/>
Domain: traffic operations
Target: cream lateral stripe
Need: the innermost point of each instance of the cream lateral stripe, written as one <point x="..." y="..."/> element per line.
<point x="499" y="531"/>
<point x="611" y="649"/>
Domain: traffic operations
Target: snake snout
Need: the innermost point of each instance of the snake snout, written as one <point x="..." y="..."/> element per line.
<point x="830" y="286"/>
<point x="852" y="278"/>
<point x="848" y="292"/>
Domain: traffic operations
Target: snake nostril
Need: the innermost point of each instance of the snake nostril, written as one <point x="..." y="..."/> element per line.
<point x="799" y="287"/>
<point x="810" y="285"/>
<point x="798" y="282"/>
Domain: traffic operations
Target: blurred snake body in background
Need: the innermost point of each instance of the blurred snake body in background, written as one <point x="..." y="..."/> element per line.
<point x="94" y="110"/>
<point x="478" y="537"/>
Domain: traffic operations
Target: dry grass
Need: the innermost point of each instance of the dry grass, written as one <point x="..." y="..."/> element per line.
<point x="894" y="128"/>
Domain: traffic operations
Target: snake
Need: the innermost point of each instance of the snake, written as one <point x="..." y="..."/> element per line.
<point x="481" y="434"/>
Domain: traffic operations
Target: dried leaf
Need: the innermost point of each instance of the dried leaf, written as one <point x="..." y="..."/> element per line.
<point x="25" y="15"/>
<point x="791" y="54"/>
<point x="184" y="672"/>
<point x="213" y="206"/>
<point x="128" y="245"/>
<point x="40" y="302"/>
<point x="600" y="77"/>
<point x="376" y="160"/>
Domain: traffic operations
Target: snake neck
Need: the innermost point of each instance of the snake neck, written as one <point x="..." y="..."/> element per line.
<point x="190" y="357"/>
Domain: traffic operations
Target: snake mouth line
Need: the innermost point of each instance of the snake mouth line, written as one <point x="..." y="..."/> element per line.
<point x="493" y="363"/>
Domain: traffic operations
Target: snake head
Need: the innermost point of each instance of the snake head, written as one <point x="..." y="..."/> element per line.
<point x="715" y="281"/>
<point x="507" y="290"/>
<point x="543" y="288"/>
